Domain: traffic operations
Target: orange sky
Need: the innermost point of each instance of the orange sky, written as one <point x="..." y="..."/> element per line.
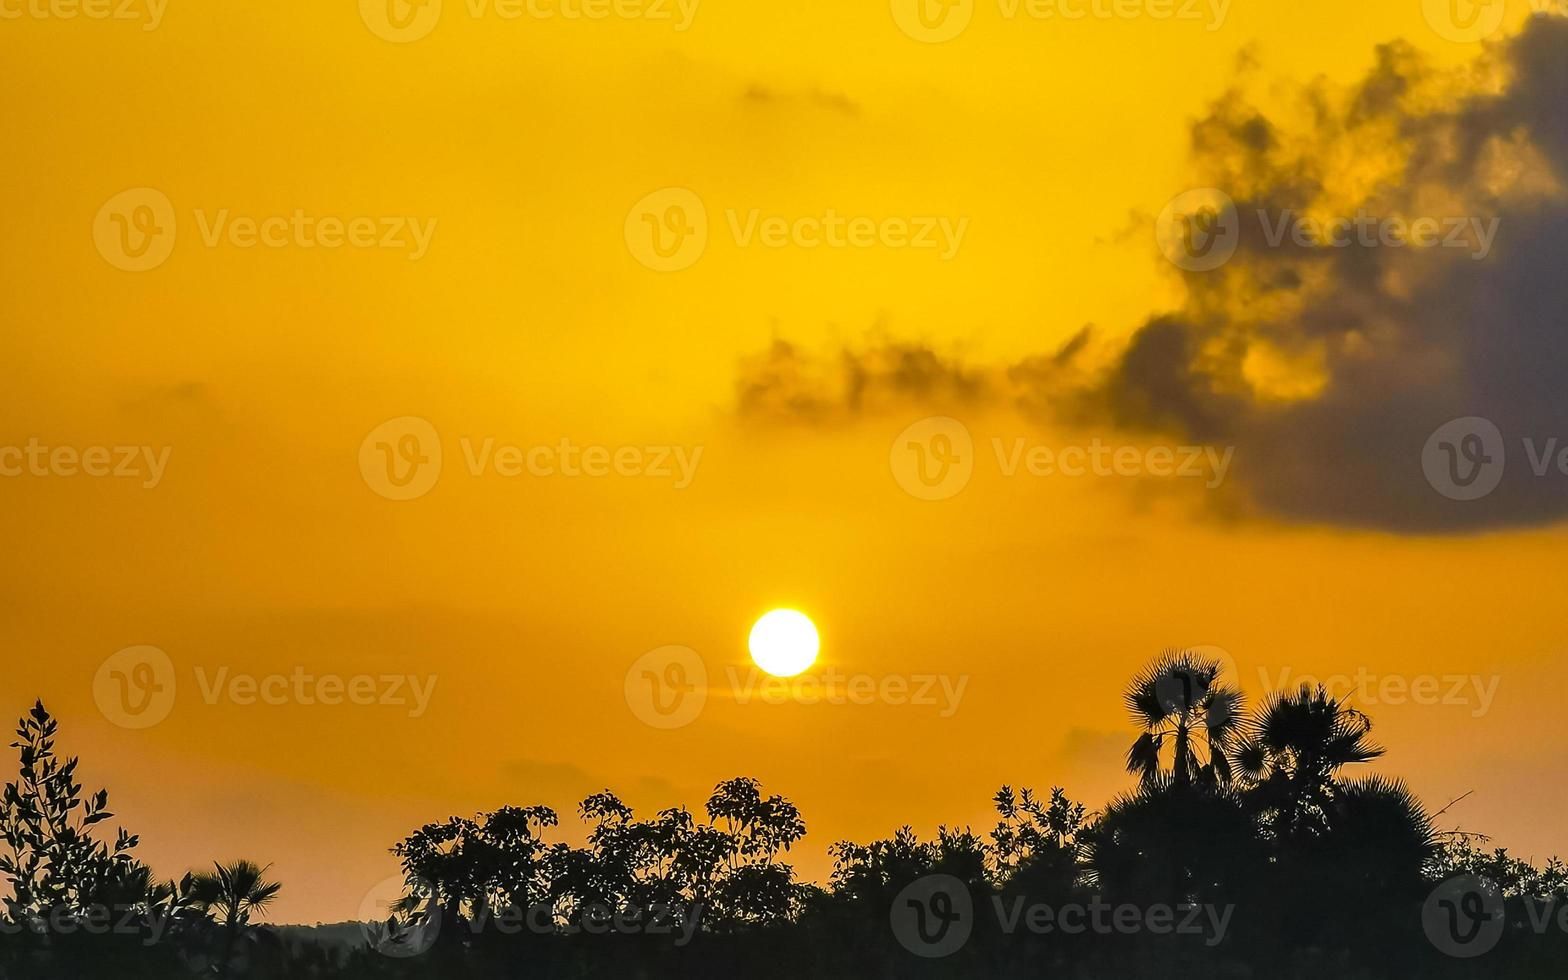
<point x="520" y="145"/>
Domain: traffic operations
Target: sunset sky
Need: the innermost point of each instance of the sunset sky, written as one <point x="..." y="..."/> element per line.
<point x="784" y="378"/>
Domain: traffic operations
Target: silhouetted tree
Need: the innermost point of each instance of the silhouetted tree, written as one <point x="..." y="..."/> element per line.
<point x="55" y="862"/>
<point x="233" y="894"/>
<point x="1291" y="754"/>
<point x="1180" y="700"/>
<point x="1325" y="875"/>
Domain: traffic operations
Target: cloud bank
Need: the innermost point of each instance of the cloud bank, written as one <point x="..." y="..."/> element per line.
<point x="1340" y="334"/>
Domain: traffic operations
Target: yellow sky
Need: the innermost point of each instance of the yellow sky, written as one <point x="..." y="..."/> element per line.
<point x="528" y="320"/>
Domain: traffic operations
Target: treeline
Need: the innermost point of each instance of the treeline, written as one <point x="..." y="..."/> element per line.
<point x="1250" y="847"/>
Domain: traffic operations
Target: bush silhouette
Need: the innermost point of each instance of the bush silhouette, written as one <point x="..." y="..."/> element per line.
<point x="1248" y="847"/>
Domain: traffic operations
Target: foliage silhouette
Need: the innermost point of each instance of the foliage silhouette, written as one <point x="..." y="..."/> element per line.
<point x="232" y="893"/>
<point x="1180" y="699"/>
<point x="1255" y="821"/>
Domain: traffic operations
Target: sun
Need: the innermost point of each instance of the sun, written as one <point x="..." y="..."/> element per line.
<point x="784" y="642"/>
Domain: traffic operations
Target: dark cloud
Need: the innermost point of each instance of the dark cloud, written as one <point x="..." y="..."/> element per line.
<point x="1326" y="368"/>
<point x="790" y="384"/>
<point x="1399" y="340"/>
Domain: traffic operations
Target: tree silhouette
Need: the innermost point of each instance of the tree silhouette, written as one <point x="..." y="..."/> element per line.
<point x="55" y="863"/>
<point x="233" y="893"/>
<point x="1325" y="875"/>
<point x="1291" y="755"/>
<point x="1180" y="700"/>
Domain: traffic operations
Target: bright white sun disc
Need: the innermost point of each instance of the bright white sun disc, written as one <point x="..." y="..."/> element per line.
<point x="784" y="642"/>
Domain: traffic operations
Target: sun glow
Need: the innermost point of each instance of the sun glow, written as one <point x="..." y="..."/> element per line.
<point x="784" y="642"/>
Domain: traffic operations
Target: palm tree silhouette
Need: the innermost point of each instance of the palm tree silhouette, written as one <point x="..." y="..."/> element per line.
<point x="1179" y="699"/>
<point x="1292" y="753"/>
<point x="232" y="894"/>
